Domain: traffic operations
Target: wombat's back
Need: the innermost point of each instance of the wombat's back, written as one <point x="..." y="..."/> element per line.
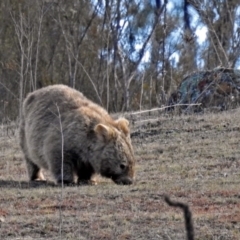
<point x="60" y="99"/>
<point x="54" y="98"/>
<point x="44" y="108"/>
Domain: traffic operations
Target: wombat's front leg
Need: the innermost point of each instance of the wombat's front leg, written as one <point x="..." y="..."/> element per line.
<point x="84" y="173"/>
<point x="62" y="173"/>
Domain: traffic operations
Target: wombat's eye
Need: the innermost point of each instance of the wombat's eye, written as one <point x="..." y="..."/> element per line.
<point x="122" y="166"/>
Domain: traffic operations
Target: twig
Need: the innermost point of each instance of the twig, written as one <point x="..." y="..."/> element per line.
<point x="9" y="90"/>
<point x="187" y="216"/>
<point x="162" y="108"/>
<point x="62" y="155"/>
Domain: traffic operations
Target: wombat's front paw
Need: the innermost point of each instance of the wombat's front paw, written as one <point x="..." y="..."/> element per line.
<point x="93" y="182"/>
<point x="94" y="179"/>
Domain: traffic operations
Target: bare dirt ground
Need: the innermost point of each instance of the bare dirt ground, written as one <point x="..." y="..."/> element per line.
<point x="193" y="159"/>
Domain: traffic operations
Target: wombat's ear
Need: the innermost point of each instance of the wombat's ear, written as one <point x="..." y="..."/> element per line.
<point x="123" y="125"/>
<point x="104" y="132"/>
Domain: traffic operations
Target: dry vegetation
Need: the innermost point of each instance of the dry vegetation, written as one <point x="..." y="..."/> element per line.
<point x="193" y="159"/>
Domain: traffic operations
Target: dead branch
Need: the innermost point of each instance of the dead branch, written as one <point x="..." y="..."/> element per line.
<point x="162" y="108"/>
<point x="187" y="216"/>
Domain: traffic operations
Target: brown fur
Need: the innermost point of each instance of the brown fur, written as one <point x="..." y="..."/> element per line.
<point x="93" y="142"/>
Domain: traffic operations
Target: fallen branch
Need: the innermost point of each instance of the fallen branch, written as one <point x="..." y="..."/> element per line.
<point x="162" y="108"/>
<point x="187" y="216"/>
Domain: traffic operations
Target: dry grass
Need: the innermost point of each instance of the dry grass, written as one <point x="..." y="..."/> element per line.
<point x="192" y="159"/>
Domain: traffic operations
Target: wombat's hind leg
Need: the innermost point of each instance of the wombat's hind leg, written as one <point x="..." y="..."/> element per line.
<point x="34" y="172"/>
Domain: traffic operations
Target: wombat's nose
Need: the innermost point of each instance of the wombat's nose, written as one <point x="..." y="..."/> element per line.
<point x="128" y="181"/>
<point x="124" y="181"/>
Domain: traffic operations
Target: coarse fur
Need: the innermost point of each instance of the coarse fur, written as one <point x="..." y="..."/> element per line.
<point x="59" y="124"/>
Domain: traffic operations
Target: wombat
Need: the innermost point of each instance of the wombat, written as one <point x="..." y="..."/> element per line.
<point x="64" y="132"/>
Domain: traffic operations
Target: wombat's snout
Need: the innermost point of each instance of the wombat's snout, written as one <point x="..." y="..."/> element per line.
<point x="123" y="181"/>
